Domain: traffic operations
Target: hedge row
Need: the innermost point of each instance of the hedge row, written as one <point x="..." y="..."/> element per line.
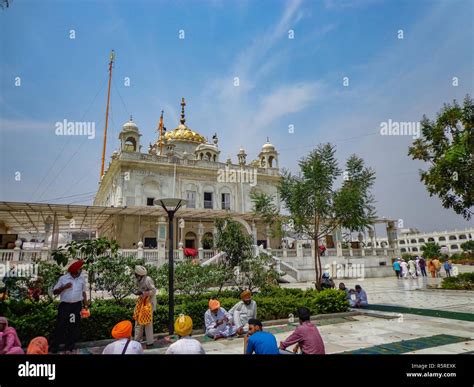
<point x="38" y="319"/>
<point x="464" y="281"/>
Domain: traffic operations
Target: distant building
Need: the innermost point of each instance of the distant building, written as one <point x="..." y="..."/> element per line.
<point x="410" y="240"/>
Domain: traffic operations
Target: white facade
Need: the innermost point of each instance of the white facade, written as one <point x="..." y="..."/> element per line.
<point x="411" y="240"/>
<point x="182" y="163"/>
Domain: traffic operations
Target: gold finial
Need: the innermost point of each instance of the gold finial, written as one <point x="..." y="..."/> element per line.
<point x="183" y="104"/>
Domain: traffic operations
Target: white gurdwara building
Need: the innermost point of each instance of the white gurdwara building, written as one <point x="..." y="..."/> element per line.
<point x="183" y="164"/>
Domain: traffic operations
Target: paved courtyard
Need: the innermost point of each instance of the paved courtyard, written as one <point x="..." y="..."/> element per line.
<point x="386" y="327"/>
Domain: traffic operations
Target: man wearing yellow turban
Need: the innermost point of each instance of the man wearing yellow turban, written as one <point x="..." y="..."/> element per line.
<point x="124" y="344"/>
<point x="186" y="345"/>
<point x="243" y="311"/>
<point x="218" y="321"/>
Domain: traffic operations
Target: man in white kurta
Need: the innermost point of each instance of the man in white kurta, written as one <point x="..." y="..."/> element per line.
<point x="243" y="311"/>
<point x="404" y="267"/>
<point x="218" y="321"/>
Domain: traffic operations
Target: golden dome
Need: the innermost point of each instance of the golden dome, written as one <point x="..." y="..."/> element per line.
<point x="182" y="132"/>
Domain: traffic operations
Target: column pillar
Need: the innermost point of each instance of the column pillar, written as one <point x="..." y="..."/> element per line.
<point x="161" y="238"/>
<point x="200" y="234"/>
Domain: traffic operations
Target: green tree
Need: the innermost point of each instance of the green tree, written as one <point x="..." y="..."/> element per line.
<point x="190" y="278"/>
<point x="431" y="250"/>
<point x="263" y="206"/>
<point x="317" y="207"/>
<point x="447" y="145"/>
<point x="468" y="247"/>
<point x="89" y="251"/>
<point x="233" y="240"/>
<point x="256" y="273"/>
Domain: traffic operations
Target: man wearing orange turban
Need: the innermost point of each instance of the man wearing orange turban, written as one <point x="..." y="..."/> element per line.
<point x="38" y="346"/>
<point x="243" y="311"/>
<point x="124" y="344"/>
<point x="186" y="345"/>
<point x="72" y="293"/>
<point x="218" y="321"/>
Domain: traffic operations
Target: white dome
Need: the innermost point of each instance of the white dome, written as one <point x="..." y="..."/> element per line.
<point x="130" y="125"/>
<point x="268" y="147"/>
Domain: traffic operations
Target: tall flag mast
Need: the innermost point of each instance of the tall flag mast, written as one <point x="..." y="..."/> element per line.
<point x="161" y="129"/>
<point x="112" y="57"/>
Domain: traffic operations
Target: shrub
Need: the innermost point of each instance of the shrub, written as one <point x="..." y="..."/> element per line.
<point x="33" y="319"/>
<point x="464" y="281"/>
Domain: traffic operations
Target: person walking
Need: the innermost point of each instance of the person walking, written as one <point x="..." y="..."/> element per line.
<point x="397" y="268"/>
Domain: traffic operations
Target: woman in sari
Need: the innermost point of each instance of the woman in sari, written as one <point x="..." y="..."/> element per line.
<point x="9" y="342"/>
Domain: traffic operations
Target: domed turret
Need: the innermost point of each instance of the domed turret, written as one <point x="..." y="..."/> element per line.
<point x="130" y="137"/>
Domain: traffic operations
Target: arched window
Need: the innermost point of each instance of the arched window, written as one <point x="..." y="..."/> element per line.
<point x="207" y="241"/>
<point x="452" y="238"/>
<point x="462" y="236"/>
<point x="441" y="238"/>
<point x="403" y="250"/>
<point x="270" y="161"/>
<point x="190" y="240"/>
<point x="402" y="242"/>
<point x="414" y="249"/>
<point x="413" y="241"/>
<point x="431" y="240"/>
<point x="454" y="247"/>
<point x="130" y="145"/>
<point x="208" y="156"/>
<point x="421" y="240"/>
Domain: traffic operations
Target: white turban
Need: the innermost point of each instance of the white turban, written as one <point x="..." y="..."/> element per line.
<point x="140" y="270"/>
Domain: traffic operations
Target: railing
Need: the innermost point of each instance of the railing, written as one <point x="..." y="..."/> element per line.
<point x="277" y="253"/>
<point x="331" y="252"/>
<point x="132" y="253"/>
<point x="291" y="253"/>
<point x="208" y="204"/>
<point x="208" y="254"/>
<point x="215" y="259"/>
<point x="307" y="252"/>
<point x="150" y="255"/>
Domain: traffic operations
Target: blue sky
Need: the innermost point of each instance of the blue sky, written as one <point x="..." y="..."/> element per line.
<point x="282" y="82"/>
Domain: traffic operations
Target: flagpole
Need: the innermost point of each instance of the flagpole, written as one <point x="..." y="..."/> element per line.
<point x="112" y="57"/>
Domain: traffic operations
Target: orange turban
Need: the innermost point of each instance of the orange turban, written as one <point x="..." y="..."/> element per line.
<point x="245" y="294"/>
<point x="75" y="267"/>
<point x="214" y="304"/>
<point x="183" y="325"/>
<point x="122" y="330"/>
<point x="38" y="346"/>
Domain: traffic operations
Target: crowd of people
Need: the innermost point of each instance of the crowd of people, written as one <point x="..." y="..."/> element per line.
<point x="241" y="321"/>
<point x="417" y="267"/>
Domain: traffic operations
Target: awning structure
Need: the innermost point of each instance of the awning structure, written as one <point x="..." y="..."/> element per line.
<point x="22" y="218"/>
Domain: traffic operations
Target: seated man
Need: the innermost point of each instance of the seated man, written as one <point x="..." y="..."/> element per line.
<point x="306" y="336"/>
<point x="260" y="342"/>
<point x="218" y="321"/>
<point x="243" y="311"/>
<point x="342" y="287"/>
<point x="186" y="345"/>
<point x="124" y="345"/>
<point x="361" y="297"/>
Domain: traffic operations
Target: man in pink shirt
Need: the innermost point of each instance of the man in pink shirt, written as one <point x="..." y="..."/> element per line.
<point x="306" y="336"/>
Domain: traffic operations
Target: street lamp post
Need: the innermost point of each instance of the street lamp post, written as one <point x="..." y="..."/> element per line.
<point x="170" y="205"/>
